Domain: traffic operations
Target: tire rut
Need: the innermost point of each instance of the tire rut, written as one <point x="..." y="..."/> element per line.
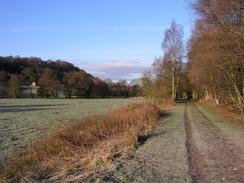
<point x="192" y="151"/>
<point x="212" y="156"/>
<point x="162" y="158"/>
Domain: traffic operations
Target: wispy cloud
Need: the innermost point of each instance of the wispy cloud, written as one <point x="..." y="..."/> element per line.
<point x="114" y="69"/>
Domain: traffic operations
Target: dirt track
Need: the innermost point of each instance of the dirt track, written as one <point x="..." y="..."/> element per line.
<point x="190" y="144"/>
<point x="215" y="156"/>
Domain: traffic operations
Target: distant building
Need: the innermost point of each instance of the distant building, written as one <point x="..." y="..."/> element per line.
<point x="30" y="91"/>
<point x="33" y="84"/>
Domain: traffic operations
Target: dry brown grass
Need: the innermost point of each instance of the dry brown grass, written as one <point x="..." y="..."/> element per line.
<point x="230" y="114"/>
<point x="84" y="145"/>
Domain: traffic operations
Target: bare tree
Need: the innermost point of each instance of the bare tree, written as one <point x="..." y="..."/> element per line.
<point x="227" y="14"/>
<point x="215" y="51"/>
<point x="173" y="53"/>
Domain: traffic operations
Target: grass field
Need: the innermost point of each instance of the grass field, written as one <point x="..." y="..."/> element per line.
<point x="24" y="120"/>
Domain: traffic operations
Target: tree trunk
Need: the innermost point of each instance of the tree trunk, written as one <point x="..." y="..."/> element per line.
<point x="173" y="83"/>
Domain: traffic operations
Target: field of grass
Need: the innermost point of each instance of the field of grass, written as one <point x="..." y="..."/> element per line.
<point x="75" y="152"/>
<point x="24" y="120"/>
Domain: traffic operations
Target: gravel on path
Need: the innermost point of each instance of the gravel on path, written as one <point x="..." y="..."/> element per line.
<point x="163" y="157"/>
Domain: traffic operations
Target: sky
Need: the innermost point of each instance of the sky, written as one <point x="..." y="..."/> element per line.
<point x="116" y="39"/>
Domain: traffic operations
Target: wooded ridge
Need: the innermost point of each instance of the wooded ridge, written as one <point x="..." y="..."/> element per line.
<point x="34" y="77"/>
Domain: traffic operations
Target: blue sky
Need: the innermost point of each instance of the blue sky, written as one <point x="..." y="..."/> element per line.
<point x="115" y="39"/>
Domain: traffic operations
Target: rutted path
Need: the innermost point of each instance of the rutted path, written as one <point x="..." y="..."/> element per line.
<point x="163" y="157"/>
<point x="215" y="156"/>
<point x="189" y="145"/>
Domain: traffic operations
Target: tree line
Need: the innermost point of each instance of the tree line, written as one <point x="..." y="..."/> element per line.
<point x="167" y="78"/>
<point x="55" y="79"/>
<point x="216" y="52"/>
<point x="215" y="57"/>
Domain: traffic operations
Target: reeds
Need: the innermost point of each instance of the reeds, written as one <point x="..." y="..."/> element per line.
<point x="117" y="129"/>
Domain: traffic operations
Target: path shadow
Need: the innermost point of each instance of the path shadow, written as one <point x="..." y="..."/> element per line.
<point x="165" y="114"/>
<point x="24" y="110"/>
<point x="143" y="138"/>
<point x="28" y="108"/>
<point x="25" y="106"/>
<point x="185" y="101"/>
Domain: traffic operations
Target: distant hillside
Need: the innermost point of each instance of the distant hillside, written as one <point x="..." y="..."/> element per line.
<point x="22" y="65"/>
<point x="34" y="77"/>
<point x="52" y="77"/>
